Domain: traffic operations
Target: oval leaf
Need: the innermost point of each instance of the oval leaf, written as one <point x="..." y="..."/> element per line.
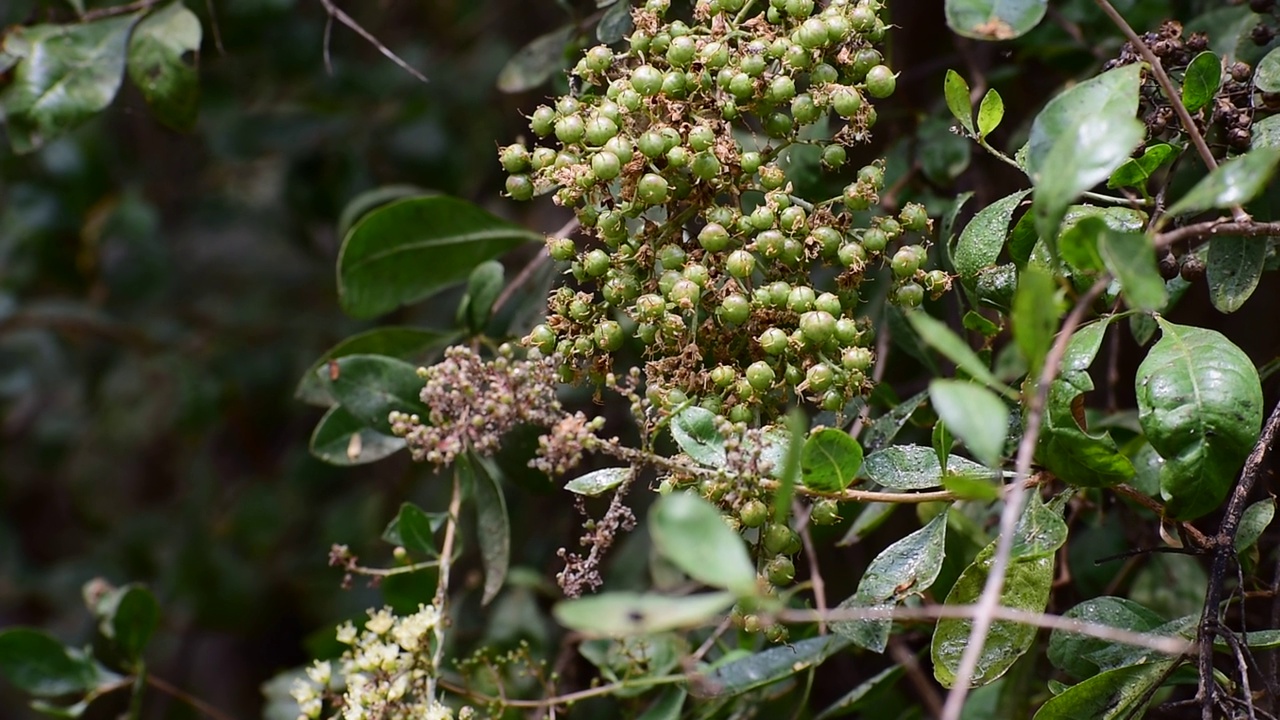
<point x="692" y="534"/>
<point x="1234" y="267"/>
<point x="915" y="467"/>
<point x="1200" y="405"/>
<point x="1200" y="84"/>
<point x="371" y="386"/>
<point x="1035" y="316"/>
<point x="163" y="54"/>
<point x="616" y="23"/>
<point x="994" y="19"/>
<point x="493" y="529"/>
<point x="769" y="666"/>
<point x="982" y="239"/>
<point x="598" y="482"/>
<point x="1135" y="172"/>
<point x="402" y="343"/>
<point x="1253" y="522"/>
<point x="483" y="288"/>
<point x="954" y="348"/>
<point x="341" y="438"/>
<point x="694" y="430"/>
<point x="1112" y="94"/>
<point x="40" y="665"/>
<point x="1234" y="182"/>
<point x="413" y="529"/>
<point x="956" y="92"/>
<point x="1267" y="76"/>
<point x="975" y="415"/>
<point x="536" y="62"/>
<point x="1119" y="693"/>
<point x="408" y="250"/>
<point x="1131" y="257"/>
<point x="1070" y="651"/>
<point x="830" y="460"/>
<point x="618" y="614"/>
<point x="990" y="112"/>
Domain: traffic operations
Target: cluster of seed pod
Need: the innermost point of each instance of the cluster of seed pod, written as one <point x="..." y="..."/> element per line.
<point x="673" y="155"/>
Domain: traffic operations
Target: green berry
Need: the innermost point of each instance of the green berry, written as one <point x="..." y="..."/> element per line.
<point x="570" y="129"/>
<point x="781" y="89"/>
<point x="742" y="86"/>
<point x="847" y="331"/>
<point x="650" y="307"/>
<point x="829" y="239"/>
<point x="823" y="74"/>
<point x="543" y="338"/>
<point x="800" y="299"/>
<point x="520" y="187"/>
<point x="542" y="122"/>
<point x="723" y="376"/>
<point x="846" y="101"/>
<point x="772" y="177"/>
<point x="701" y="137"/>
<point x="752" y="64"/>
<point x="793" y="219"/>
<point x="652" y="189"/>
<point x="514" y="158"/>
<point x="600" y="130"/>
<point x="825" y="512"/>
<point x="780" y="570"/>
<point x="740" y="263"/>
<point x="609" y="336"/>
<point x="820" y="376"/>
<point x="735" y="309"/>
<point x="713" y="237"/>
<point x="833" y="156"/>
<point x="828" y="303"/>
<point x="872" y="175"/>
<point x="773" y="341"/>
<point x="874" y="240"/>
<point x="760" y="375"/>
<point x="805" y="110"/>
<point x="678" y="157"/>
<point x="672" y="256"/>
<point x="880" y="81"/>
<point x="753" y="513"/>
<point x="605" y="165"/>
<point x="780" y="539"/>
<point x="909" y="295"/>
<point x="542" y="157"/>
<point x="862" y="18"/>
<point x="705" y="166"/>
<point x="698" y="273"/>
<point x="599" y="58"/>
<point x="857" y="358"/>
<point x="685" y="293"/>
<point x="651" y="144"/>
<point x="750" y="162"/>
<point x="682" y="51"/>
<point x="596" y="262"/>
<point x="646" y="80"/>
<point x="914" y="217"/>
<point x="818" y="326"/>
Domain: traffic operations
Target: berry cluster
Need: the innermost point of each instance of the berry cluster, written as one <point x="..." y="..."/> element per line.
<point x="673" y="155"/>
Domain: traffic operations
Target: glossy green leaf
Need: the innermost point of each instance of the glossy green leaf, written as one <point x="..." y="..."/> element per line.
<point x="885" y="428"/>
<point x="694" y="430"/>
<point x="956" y="92"/>
<point x="1234" y="182"/>
<point x="493" y="528"/>
<point x="769" y="666"/>
<point x="671" y="701"/>
<point x="994" y="19"/>
<point x="367" y="201"/>
<point x="990" y="112"/>
<point x="616" y="23"/>
<point x="915" y="467"/>
<point x="1253" y="523"/>
<point x="980" y="324"/>
<point x="66" y="74"/>
<point x="371" y="386"/>
<point x="164" y="52"/>
<point x="692" y="534"/>
<point x="971" y="488"/>
<point x="1135" y="172"/>
<point x="1267" y="75"/>
<point x="39" y="665"/>
<point x="341" y="438"/>
<point x="943" y="155"/>
<point x="1266" y="133"/>
<point x="483" y="288"/>
<point x="907" y="567"/>
<point x="829" y="460"/>
<point x="407" y="250"/>
<point x="598" y="482"/>
<point x="1112" y="94"/>
<point x="1200" y="406"/>
<point x="1071" y="652"/>
<point x="1035" y="316"/>
<point x="1201" y="80"/>
<point x="1112" y="695"/>
<point x="954" y="348"/>
<point x="1026" y="587"/>
<point x="1040" y="531"/>
<point x="535" y="63"/>
<point x="982" y="239"/>
<point x="1256" y="640"/>
<point x="1131" y="258"/>
<point x="413" y="529"/>
<point x="401" y="343"/>
<point x="617" y="614"/>
<point x="1234" y="267"/>
<point x="864" y="695"/>
<point x="976" y="415"/>
<point x="128" y="616"/>
<point x="1069" y="451"/>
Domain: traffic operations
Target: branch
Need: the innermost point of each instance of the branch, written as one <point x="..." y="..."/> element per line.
<point x="988" y="606"/>
<point x="336" y="13"/>
<point x="1218" y="226"/>
<point x="1223" y="554"/>
<point x="527" y="271"/>
<point x="106" y="12"/>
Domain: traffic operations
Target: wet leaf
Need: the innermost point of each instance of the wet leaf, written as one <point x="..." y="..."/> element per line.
<point x="1035" y="316"/>
<point x="1040" y="531"/>
<point x="1112" y="94"/>
<point x="1135" y="172"/>
<point x="1234" y="182"/>
<point x="1115" y="694"/>
<point x="1071" y="652"/>
<point x="915" y="467"/>
<point x="975" y="415"/>
<point x="769" y="666"/>
<point x="829" y="460"/>
<point x="1131" y="258"/>
<point x="956" y="92"/>
<point x="864" y="694"/>
<point x="885" y="428"/>
<point x="1234" y="267"/>
<point x="694" y="430"/>
<point x="598" y="482"/>
<point x="1267" y="75"/>
<point x="1201" y="81"/>
<point x="617" y="614"/>
<point x="692" y="534"/>
<point x="982" y="239"/>
<point x="1200" y="406"/>
<point x="994" y="19"/>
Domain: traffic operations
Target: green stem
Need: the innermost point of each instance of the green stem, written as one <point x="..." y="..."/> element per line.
<point x="135" y="695"/>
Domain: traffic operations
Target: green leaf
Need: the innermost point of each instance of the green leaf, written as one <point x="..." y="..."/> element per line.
<point x="954" y="348"/>
<point x="1035" y="316"/>
<point x="769" y="666"/>
<point x="797" y="428"/>
<point x="617" y="614"/>
<point x="407" y="250"/>
<point x="971" y="488"/>
<point x="915" y="467"/>
<point x="413" y="529"/>
<point x="1112" y="94"/>
<point x="67" y="73"/>
<point x="694" y="430"/>
<point x="1256" y="640"/>
<point x="362" y="204"/>
<point x="1131" y="257"/>
<point x="1071" y="453"/>
<point x="1234" y="182"/>
<point x="1026" y="587"/>
<point x="990" y="113"/>
<point x="164" y="52"/>
<point x="1267" y="76"/>
<point x="975" y="415"/>
<point x="128" y="616"/>
<point x="598" y="482"/>
<point x="864" y="694"/>
<point x="483" y="289"/>
<point x="616" y="23"/>
<point x="1071" y="652"/>
<point x="535" y="63"/>
<point x="1234" y="267"/>
<point x="829" y="460"/>
<point x="371" y="386"/>
<point x="979" y="324"/>
<point x="885" y="428"/>
<point x="670" y="702"/>
<point x="956" y="92"/>
<point x="1200" y="406"/>
<point x="1040" y="531"/>
<point x="1135" y="172"/>
<point x="341" y="438"/>
<point x="1266" y="133"/>
<point x="1120" y="693"/>
<point x="39" y="665"/>
<point x="994" y="19"/>
<point x="943" y="155"/>
<point x="493" y="529"/>
<point x="907" y="567"/>
<point x="402" y="343"/>
<point x="692" y="534"/>
<point x="982" y="239"/>
<point x="1201" y="81"/>
<point x="1253" y="522"/>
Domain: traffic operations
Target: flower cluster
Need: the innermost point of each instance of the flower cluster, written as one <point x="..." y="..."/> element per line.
<point x="473" y="403"/>
<point x="386" y="673"/>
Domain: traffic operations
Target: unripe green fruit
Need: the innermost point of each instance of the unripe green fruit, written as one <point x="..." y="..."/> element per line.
<point x="647" y="333"/>
<point x="596" y="262"/>
<point x="792" y="219"/>
<point x="909" y="295"/>
<point x="705" y="166"/>
<point x="805" y="110"/>
<point x="800" y="299"/>
<point x="936" y="282"/>
<point x="857" y="358"/>
<point x="846" y="101"/>
<point x="864" y="60"/>
<point x="820" y="376"/>
<point x="678" y="157"/>
<point x="652" y="189"/>
<point x="772" y="177"/>
<point x="741" y="413"/>
<point x="904" y="263"/>
<point x="651" y="144"/>
<point x="780" y="539"/>
<point x="668" y="280"/>
<point x="650" y="307"/>
<point x="599" y="58"/>
<point x="773" y="341"/>
<point x="862" y="18"/>
<point x="779" y="291"/>
<point x="798" y="56"/>
<point x="891" y="227"/>
<point x="698" y="273"/>
<point x="740" y="263"/>
<point x="675" y="84"/>
<point x="570" y="129"/>
<point x="778" y="125"/>
<point x="646" y="80"/>
<point x="780" y="570"/>
<point x="682" y="51"/>
<point x="721" y="215"/>
<point x="701" y="137"/>
<point x="542" y="121"/>
<point x="753" y="63"/>
<point x="857" y="197"/>
<point x="583" y="346"/>
<point x="760" y="375"/>
<point x="742" y="86"/>
<point x="792" y="252"/>
<point x="750" y="162"/>
<point x="812" y="34"/>
<point x="825" y="512"/>
<point x="753" y="513"/>
<point x="514" y="158"/>
<point x="823" y="74"/>
<point x="762" y="218"/>
<point x="833" y="156"/>
<point x="713" y="237"/>
<point x="828" y="303"/>
<point x="880" y="81"/>
<point x="818" y="326"/>
<point x="519" y="187"/>
<point x="833" y="401"/>
<point x="793" y="374"/>
<point x="715" y="55"/>
<point x="770" y="244"/>
<point x="872" y="175"/>
<point x="684" y="293"/>
<point x="605" y="165"/>
<point x="723" y="376"/>
<point x="620" y="290"/>
<point x="609" y="336"/>
<point x="829" y="239"/>
<point x="670" y="137"/>
<point x="671" y="256"/>
<point x="735" y="309"/>
<point x="781" y="89"/>
<point x="600" y="129"/>
<point x="799" y="8"/>
<point x="874" y="240"/>
<point x="543" y="338"/>
<point x="847" y="332"/>
<point x="838" y="29"/>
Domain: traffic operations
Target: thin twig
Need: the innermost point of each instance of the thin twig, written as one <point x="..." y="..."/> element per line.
<point x="1224" y="553"/>
<point x="531" y="267"/>
<point x="811" y="552"/>
<point x="106" y="12"/>
<point x="337" y="13"/>
<point x="925" y="687"/>
<point x="442" y="581"/>
<point x="992" y="591"/>
<point x="1201" y="540"/>
<point x="1219" y="226"/>
<point x="187" y="698"/>
<point x="217" y="29"/>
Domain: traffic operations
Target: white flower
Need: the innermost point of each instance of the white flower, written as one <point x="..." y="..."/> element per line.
<point x="320" y="673"/>
<point x="381" y="621"/>
<point x="347" y="633"/>
<point x="438" y="711"/>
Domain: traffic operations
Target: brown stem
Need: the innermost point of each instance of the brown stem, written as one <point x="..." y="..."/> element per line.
<point x="187" y="698"/>
<point x="336" y="13"/>
<point x="1219" y="226"/>
<point x="527" y="271"/>
<point x="106" y="12"/>
<point x="815" y="574"/>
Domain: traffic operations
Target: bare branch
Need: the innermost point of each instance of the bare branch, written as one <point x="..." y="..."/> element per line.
<point x="336" y="13"/>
